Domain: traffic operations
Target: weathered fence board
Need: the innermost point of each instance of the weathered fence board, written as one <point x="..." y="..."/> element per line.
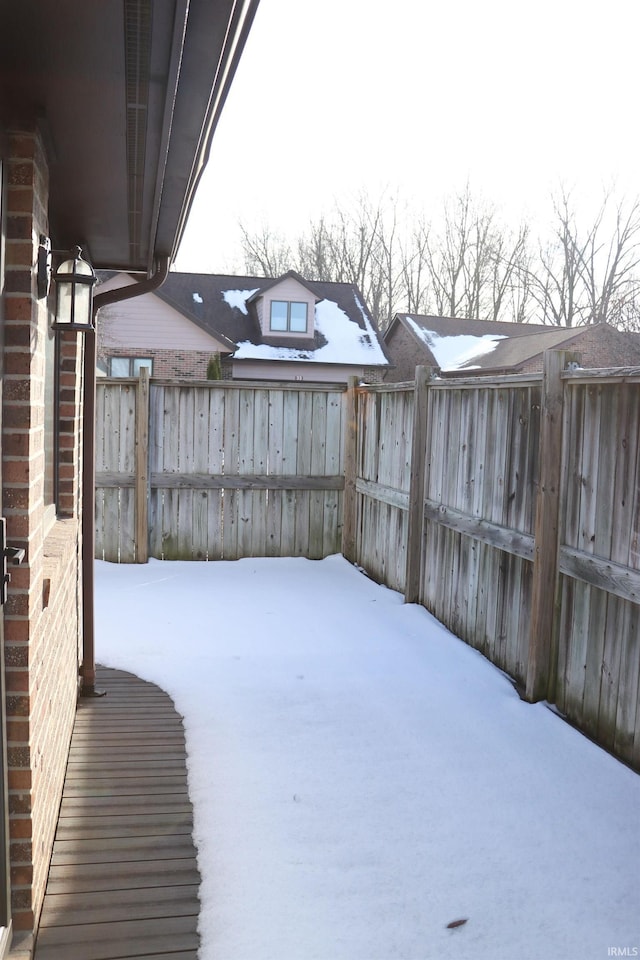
<point x="115" y="452"/>
<point x="384" y="426"/>
<point x="599" y="588"/>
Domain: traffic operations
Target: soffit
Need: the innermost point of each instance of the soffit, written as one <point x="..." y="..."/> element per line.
<point x="127" y="93"/>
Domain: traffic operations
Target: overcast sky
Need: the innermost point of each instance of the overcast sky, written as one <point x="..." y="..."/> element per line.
<point x="418" y="97"/>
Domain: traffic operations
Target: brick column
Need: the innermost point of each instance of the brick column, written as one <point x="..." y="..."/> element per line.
<point x="41" y="614"/>
<point x="23" y="485"/>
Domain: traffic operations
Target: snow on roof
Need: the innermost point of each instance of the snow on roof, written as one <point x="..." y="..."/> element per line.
<point x="455" y="352"/>
<point x="238" y="298"/>
<point x="346" y="342"/>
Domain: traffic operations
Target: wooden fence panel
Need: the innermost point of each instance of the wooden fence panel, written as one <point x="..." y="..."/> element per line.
<point x="156" y="460"/>
<point x="599" y="673"/>
<point x="258" y="542"/>
<point x="385" y="427"/>
<point x="244" y="501"/>
<point x="115" y="454"/>
<point x="200" y="506"/>
<point x="303" y="468"/>
<point x="214" y="499"/>
<point x="259" y="470"/>
<point x="482" y="464"/>
<point x="234" y="470"/>
<point x="231" y="440"/>
<point x="317" y="467"/>
<point x="333" y="466"/>
<point x="276" y="456"/>
<point x="127" y="464"/>
<point x="290" y="461"/>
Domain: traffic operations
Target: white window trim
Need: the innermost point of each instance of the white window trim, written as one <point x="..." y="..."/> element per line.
<point x="131" y="359"/>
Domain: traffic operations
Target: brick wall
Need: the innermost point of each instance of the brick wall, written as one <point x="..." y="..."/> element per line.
<point x="374" y="374"/>
<point x="41" y="616"/>
<point x="69" y="441"/>
<point x="168" y="364"/>
<point x="405" y="354"/>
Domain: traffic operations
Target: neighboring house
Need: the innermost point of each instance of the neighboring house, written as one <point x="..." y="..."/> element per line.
<point x="107" y="111"/>
<point x="457" y="347"/>
<point x="286" y="328"/>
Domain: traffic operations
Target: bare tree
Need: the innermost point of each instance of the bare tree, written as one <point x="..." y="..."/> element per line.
<point x="607" y="265"/>
<point x="386" y="256"/>
<point x="467" y="262"/>
<point x="474" y="263"/>
<point x="446" y="255"/>
<point x="265" y="252"/>
<point x="315" y="260"/>
<point x="583" y="273"/>
<point x="414" y="272"/>
<point x="625" y="311"/>
<point x="510" y="290"/>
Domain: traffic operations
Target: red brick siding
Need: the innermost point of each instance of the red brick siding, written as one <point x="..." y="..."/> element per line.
<point x="70" y="378"/>
<point x="405" y="354"/>
<point x="374" y="374"/>
<point x="41" y="616"/>
<point x="168" y="364"/>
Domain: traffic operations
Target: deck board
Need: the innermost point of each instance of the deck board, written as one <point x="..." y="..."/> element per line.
<point x="123" y="881"/>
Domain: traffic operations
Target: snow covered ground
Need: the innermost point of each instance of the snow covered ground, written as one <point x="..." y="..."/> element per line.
<point x="361" y="778"/>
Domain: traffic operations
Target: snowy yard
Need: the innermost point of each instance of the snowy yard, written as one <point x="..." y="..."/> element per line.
<point x="361" y="778"/>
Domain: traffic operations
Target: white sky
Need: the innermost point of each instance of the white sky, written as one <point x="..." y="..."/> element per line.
<point x="418" y="97"/>
<point x="361" y="778"/>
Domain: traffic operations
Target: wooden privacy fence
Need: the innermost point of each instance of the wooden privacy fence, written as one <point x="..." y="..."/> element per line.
<point x="510" y="509"/>
<point x="213" y="470"/>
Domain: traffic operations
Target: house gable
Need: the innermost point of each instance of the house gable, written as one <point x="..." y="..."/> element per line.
<point x="151" y="323"/>
<point x="152" y="330"/>
<point x="286" y="312"/>
<point x="406" y="350"/>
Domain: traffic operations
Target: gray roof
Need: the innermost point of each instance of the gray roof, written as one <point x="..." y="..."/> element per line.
<point x="201" y="298"/>
<point x="514" y="344"/>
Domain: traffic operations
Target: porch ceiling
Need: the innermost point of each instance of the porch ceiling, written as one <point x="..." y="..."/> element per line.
<point x="128" y="94"/>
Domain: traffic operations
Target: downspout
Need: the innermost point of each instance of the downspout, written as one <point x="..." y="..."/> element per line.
<point x="88" y="668"/>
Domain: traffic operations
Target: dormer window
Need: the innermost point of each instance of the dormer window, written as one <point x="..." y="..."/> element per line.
<point x="288" y="316"/>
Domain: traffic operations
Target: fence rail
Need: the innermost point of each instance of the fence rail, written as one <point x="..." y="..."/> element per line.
<point x="509" y="508"/>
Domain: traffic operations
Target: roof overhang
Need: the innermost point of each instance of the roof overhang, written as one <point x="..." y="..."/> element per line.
<point x="127" y="94"/>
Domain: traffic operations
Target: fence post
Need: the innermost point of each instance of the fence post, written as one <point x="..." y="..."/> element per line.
<point x="142" y="467"/>
<point x="349" y="500"/>
<point x="540" y="669"/>
<point x="417" y="485"/>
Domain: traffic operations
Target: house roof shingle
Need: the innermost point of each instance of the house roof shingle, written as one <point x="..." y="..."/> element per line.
<point x="224" y="305"/>
<point x="454" y="344"/>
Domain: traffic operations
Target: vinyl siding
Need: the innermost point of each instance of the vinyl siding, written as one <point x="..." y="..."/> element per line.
<point x="282" y="370"/>
<point x="148" y="323"/>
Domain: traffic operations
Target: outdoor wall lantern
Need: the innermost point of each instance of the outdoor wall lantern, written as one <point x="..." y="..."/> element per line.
<point x="74" y="280"/>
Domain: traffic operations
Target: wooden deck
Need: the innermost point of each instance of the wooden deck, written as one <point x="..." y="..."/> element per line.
<point x="123" y="881"/>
